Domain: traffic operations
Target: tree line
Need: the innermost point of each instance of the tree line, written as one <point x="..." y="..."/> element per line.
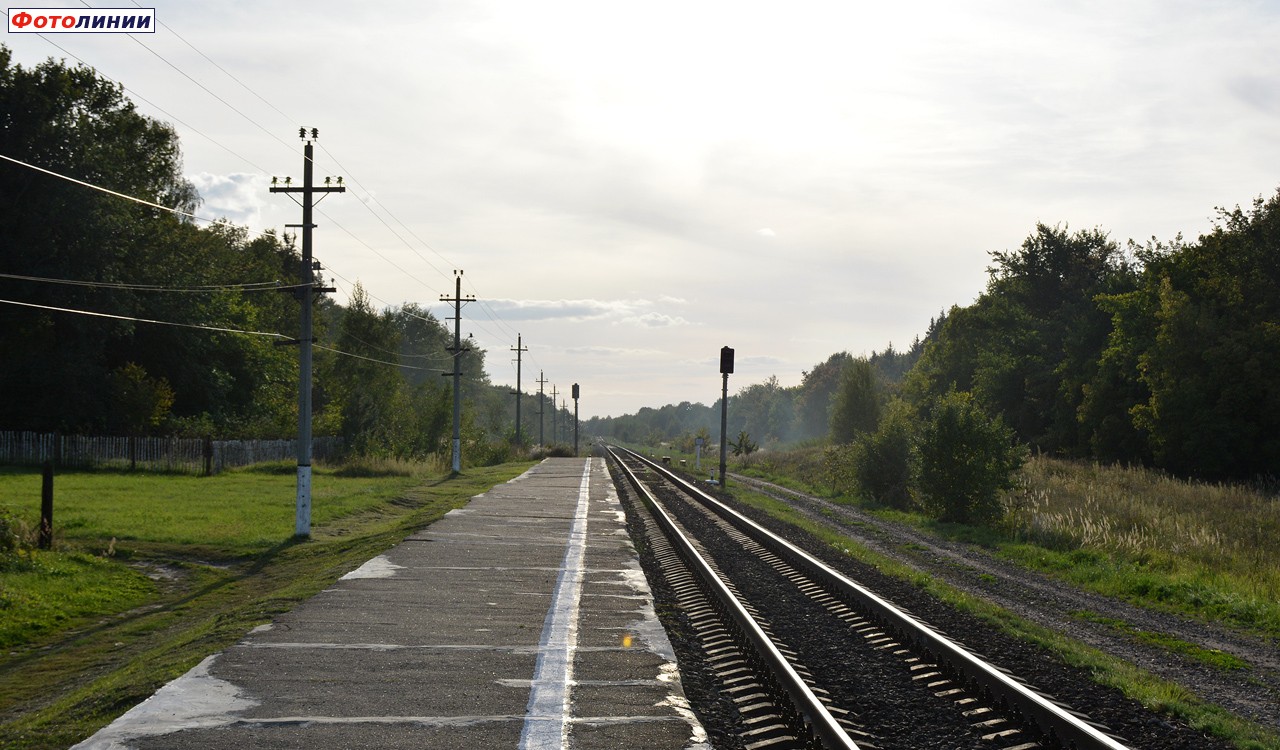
<point x="1164" y="354"/>
<point x="75" y="373"/>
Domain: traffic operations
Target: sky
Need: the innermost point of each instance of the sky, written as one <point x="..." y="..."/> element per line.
<point x="628" y="187"/>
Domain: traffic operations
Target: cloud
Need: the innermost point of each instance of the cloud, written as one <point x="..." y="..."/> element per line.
<point x="766" y="232"/>
<point x="622" y="311"/>
<point x="613" y="351"/>
<point x="563" y="309"/>
<point x="655" y="320"/>
<point x="238" y="196"/>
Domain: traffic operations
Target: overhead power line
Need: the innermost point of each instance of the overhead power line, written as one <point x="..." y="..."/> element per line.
<point x="220" y="329"/>
<point x="488" y="311"/>
<point x="144" y="320"/>
<point x="109" y="191"/>
<point x="252" y="286"/>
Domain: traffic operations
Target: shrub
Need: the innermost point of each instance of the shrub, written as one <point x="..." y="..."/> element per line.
<point x="967" y="459"/>
<point x="885" y="458"/>
<point x="13" y="533"/>
<point x="839" y="468"/>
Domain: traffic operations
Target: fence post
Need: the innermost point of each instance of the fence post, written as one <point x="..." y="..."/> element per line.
<point x="208" y="456"/>
<point x="46" y="507"/>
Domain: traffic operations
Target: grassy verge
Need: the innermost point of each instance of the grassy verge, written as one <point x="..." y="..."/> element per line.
<point x="1205" y="551"/>
<point x="1150" y="690"/>
<point x="220" y="560"/>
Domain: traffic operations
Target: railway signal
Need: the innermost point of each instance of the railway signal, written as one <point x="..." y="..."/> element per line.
<point x="726" y="367"/>
<point x="575" y="420"/>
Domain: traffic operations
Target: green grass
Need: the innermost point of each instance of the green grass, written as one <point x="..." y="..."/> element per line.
<point x="226" y="543"/>
<point x="1212" y="657"/>
<point x="1151" y="691"/>
<point x="1206" y="551"/>
<point x="231" y="515"/>
<point x="43" y="592"/>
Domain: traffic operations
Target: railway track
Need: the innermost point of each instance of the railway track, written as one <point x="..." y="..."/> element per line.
<point x="810" y="658"/>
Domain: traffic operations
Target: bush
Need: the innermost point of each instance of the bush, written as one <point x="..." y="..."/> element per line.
<point x="839" y="468"/>
<point x="884" y="459"/>
<point x="13" y="533"/>
<point x="967" y="459"/>
<point x="559" y="450"/>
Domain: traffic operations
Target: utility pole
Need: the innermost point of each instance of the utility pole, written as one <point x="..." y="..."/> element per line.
<point x="306" y="295"/>
<point x="541" y="401"/>
<point x="575" y="420"/>
<point x="726" y="367"/>
<point x="555" y="418"/>
<point x="520" y="348"/>
<point x="457" y="299"/>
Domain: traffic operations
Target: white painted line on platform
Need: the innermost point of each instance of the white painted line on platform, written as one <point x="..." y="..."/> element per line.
<point x="546" y="725"/>
<point x="195" y="700"/>
<point x="378" y="567"/>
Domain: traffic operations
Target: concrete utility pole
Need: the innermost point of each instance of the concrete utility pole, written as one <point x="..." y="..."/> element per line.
<point x="519" y="349"/>
<point x="457" y="299"/>
<point x="555" y="417"/>
<point x="541" y="401"/>
<point x="575" y="420"/>
<point x="726" y="367"/>
<point x="306" y="295"/>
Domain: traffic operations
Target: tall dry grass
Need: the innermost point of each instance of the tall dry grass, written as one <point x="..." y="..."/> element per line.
<point x="1227" y="535"/>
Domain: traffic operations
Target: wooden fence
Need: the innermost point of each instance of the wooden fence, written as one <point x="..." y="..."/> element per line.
<point x="180" y="455"/>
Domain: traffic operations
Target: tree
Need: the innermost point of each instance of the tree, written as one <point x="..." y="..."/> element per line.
<point x="1030" y="344"/>
<point x="369" y="393"/>
<point x="884" y="460"/>
<point x="817" y="390"/>
<point x="1212" y="355"/>
<point x="856" y="407"/>
<point x="764" y="409"/>
<point x="56" y="372"/>
<point x="967" y="458"/>
<point x="139" y="403"/>
<point x="72" y="121"/>
<point x="743" y="446"/>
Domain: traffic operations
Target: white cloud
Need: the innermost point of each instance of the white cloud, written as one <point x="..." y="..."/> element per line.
<point x="561" y="309"/>
<point x="620" y="192"/>
<point x="655" y="320"/>
<point x="239" y="196"/>
<point x="580" y="310"/>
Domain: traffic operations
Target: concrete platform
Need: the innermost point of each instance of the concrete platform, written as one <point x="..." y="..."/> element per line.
<point x="522" y="620"/>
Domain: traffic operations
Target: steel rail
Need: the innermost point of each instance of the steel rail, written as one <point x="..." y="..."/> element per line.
<point x="818" y="719"/>
<point x="1059" y="723"/>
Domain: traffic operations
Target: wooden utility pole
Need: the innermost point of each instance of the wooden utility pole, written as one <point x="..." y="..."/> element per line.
<point x="46" y="506"/>
<point x="457" y="299"/>
<point x="306" y="295"/>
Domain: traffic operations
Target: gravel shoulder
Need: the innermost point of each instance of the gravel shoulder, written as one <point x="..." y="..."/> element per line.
<point x="1252" y="692"/>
